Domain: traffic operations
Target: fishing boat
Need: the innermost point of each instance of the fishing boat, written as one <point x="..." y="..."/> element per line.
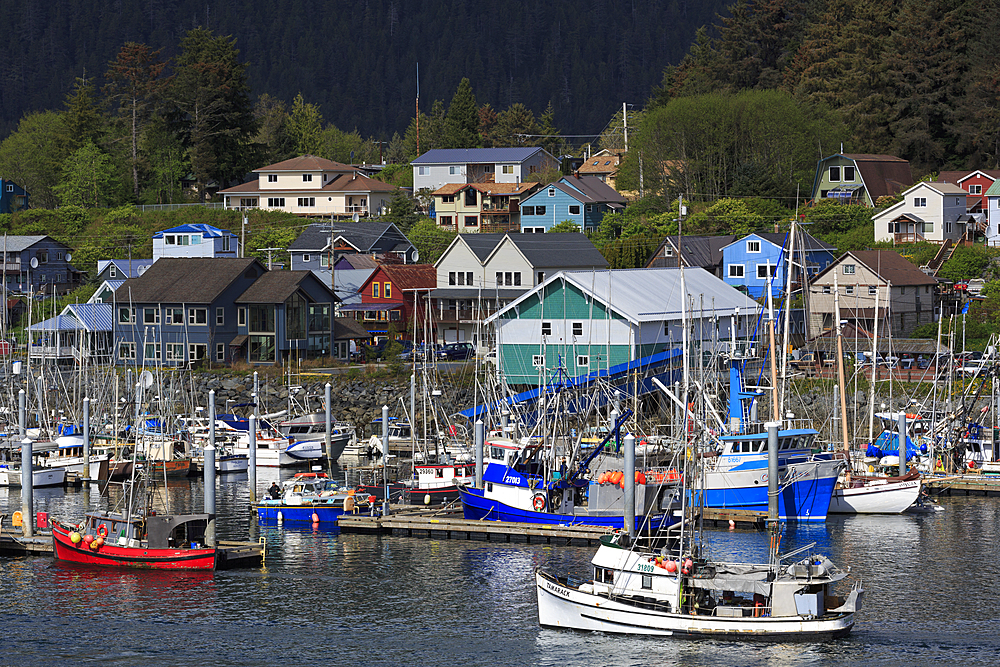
<point x="311" y="428"/>
<point x="10" y="475"/>
<point x="430" y="484"/>
<point x="309" y="497"/>
<point x="272" y="447"/>
<point x="657" y="591"/>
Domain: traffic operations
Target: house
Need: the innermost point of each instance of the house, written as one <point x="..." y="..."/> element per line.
<point x="479" y="273"/>
<point x="700" y="251"/>
<point x="907" y="291"/>
<point x="391" y="296"/>
<point x="481" y="207"/>
<point x="479" y="165"/>
<point x="196" y="240"/>
<point x="603" y="165"/>
<point x="592" y="321"/>
<point x="976" y="183"/>
<point x="582" y="200"/>
<point x="748" y="260"/>
<point x="34" y="263"/>
<point x="934" y="212"/>
<point x="105" y="292"/>
<point x="313" y="249"/>
<point x="121" y="269"/>
<point x="852" y="178"/>
<point x="81" y="332"/>
<point x="285" y="315"/>
<point x="311" y="186"/>
<point x="13" y="197"/>
<point x="993" y="215"/>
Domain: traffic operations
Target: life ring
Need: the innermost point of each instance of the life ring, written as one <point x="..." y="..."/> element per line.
<point x="538" y="502"/>
<point x="102" y="531"/>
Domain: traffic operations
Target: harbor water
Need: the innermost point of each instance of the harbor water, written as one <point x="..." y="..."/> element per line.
<point x="326" y="598"/>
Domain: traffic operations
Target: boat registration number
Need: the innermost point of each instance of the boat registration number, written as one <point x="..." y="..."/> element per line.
<point x="645" y="567"/>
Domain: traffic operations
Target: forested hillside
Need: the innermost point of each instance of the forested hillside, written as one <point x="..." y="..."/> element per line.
<point x="357" y="60"/>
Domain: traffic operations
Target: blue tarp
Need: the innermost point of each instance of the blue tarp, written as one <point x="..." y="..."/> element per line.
<point x="887" y="444"/>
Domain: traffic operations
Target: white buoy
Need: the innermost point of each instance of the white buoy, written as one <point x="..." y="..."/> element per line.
<point x="281" y="517"/>
<point x="427" y="499"/>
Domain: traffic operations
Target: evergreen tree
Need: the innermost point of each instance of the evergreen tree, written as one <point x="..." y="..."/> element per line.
<point x="82" y="119"/>
<point x="462" y="129"/>
<point x="513" y="124"/>
<point x="32" y="156"/>
<point x="487" y="125"/>
<point x="89" y="179"/>
<point x="547" y="126"/>
<point x="271" y="117"/>
<point x="305" y="128"/>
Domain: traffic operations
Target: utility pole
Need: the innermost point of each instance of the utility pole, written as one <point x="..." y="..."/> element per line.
<point x="243" y="237"/>
<point x="269" y="251"/>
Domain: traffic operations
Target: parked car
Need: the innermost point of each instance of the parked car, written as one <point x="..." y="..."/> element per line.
<point x="974" y="366"/>
<point x="453" y="351"/>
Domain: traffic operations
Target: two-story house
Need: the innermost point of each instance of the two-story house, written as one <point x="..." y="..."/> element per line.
<point x="582" y="200"/>
<point x="391" y="297"/>
<point x="933" y="212"/>
<point x="320" y="243"/>
<point x="853" y="178"/>
<point x="481" y="207"/>
<point x="603" y="165"/>
<point x="196" y="240"/>
<point x="976" y="183"/>
<point x="691" y="251"/>
<point x="992" y="209"/>
<point x="905" y="293"/>
<point x="748" y="261"/>
<point x="311" y="186"/>
<point x="479" y="273"/>
<point x="13" y="197"/>
<point x="479" y="165"/>
<point x="37" y="263"/>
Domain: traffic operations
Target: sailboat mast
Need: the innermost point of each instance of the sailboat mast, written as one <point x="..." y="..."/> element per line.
<point x="788" y="317"/>
<point x="840" y="375"/>
<point x="871" y="383"/>
<point x="774" y="350"/>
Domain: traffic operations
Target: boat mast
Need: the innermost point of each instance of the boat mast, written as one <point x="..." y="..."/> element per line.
<point x="871" y="383"/>
<point x="840" y="377"/>
<point x="788" y="317"/>
<point x="685" y="384"/>
<point x="774" y="350"/>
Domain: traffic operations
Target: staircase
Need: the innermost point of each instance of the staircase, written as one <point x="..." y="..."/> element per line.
<point x="942" y="256"/>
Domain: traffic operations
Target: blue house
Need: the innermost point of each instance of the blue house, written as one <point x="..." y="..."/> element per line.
<point x="582" y="200"/>
<point x="13" y="197"/>
<point x="747" y="261"/>
<point x="37" y="263"/>
<point x="197" y="240"/>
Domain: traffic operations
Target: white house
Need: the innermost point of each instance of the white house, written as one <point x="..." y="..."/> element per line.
<point x="197" y="240"/>
<point x="312" y="186"/>
<point x="993" y="214"/>
<point x="934" y="212"/>
<point x="478" y="165"/>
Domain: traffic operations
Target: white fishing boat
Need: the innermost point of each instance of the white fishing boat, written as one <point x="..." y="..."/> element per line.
<point x="311" y="428"/>
<point x="10" y="475"/>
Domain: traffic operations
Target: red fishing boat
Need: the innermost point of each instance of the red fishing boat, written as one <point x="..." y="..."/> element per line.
<point x="156" y="542"/>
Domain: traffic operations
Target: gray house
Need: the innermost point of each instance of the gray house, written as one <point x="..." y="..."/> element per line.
<point x="313" y="250"/>
<point x="37" y="263"/>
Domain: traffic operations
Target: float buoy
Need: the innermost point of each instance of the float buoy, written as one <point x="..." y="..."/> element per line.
<point x="75" y="537"/>
<point x="87" y="539"/>
<point x="617" y="477"/>
<point x="99" y="541"/>
<point x="315" y="517"/>
<point x="538" y="502"/>
<point x="17" y="519"/>
<point x="671" y="566"/>
<point x="281" y="517"/>
<point x="427" y="499"/>
<point x="94" y="545"/>
<point x="732" y="524"/>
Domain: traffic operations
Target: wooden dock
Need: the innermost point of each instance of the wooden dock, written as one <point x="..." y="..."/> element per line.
<point x="969" y="484"/>
<point x="450" y="525"/>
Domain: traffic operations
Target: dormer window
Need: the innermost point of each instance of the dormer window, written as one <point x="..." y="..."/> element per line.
<point x="307" y="178"/>
<point x="753" y="246"/>
<point x="272" y="178"/>
<point x="834" y="174"/>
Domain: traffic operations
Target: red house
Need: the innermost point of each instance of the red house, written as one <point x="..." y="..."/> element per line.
<point x="387" y="297"/>
<point x="976" y="183"/>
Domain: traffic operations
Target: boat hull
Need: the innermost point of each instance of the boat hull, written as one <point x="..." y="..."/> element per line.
<point x="174" y="468"/>
<point x="40" y="477"/>
<point x="477" y="507"/>
<point x="267" y="513"/>
<point x="232" y="463"/>
<point x="111" y="555"/>
<point x="565" y="607"/>
<point x="888" y="498"/>
<point x="805" y="498"/>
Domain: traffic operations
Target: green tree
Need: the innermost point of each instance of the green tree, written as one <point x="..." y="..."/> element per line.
<point x="167" y="164"/>
<point x="31" y="156"/>
<point x="513" y="123"/>
<point x="89" y="179"/>
<point x="565" y="227"/>
<point x="430" y="240"/>
<point x="271" y="117"/>
<point x="487" y="126"/>
<point x="212" y="107"/>
<point x="402" y="211"/>
<point x="462" y="122"/>
<point x="305" y="128"/>
<point x="966" y="263"/>
<point x="82" y="120"/>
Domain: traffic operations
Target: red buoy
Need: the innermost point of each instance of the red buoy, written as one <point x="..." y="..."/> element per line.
<point x="671" y="566"/>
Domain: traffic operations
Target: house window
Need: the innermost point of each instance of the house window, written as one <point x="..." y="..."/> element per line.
<point x="306" y="258"/>
<point x="849" y="289"/>
<point x="574" y="210"/>
<point x="920" y="202"/>
<point x="872" y="290"/>
<point x="272" y="178"/>
<point x="174" y="315"/>
<point x="583" y="361"/>
<point x="422" y="171"/>
<point x="849" y="269"/>
<point x="220" y="316"/>
<point x="151" y="351"/>
<point x="499" y="278"/>
<point x="546" y="328"/>
<point x="827" y="290"/>
<point x="517" y="279"/>
<point x="735" y="270"/>
<point x="324" y="261"/>
<point x="225" y="240"/>
<point x="197" y="316"/>
<point x="452" y="170"/>
<point x="975" y="189"/>
<point x="468" y="277"/>
<point x="394" y="315"/>
<point x="928" y="227"/>
<point x="307" y="201"/>
<point x="59" y="255"/>
<point x="262" y="318"/>
<point x="470" y="197"/>
<point x="902" y="290"/>
<point x="452" y="280"/>
<point x="369" y="315"/>
<point x="126" y="350"/>
<point x="307" y="178"/>
<point x="375" y="287"/>
<point x="241" y="317"/>
<point x="541" y="277"/>
<point x="150" y="315"/>
<point x="849" y="174"/>
<point x="539" y="210"/>
<point x="508" y="279"/>
<point x="577" y="328"/>
<point x="175" y="352"/>
<point x="43" y="256"/>
<point x="220" y="351"/>
<point x="537" y="360"/>
<point x="387" y="290"/>
<point x="552" y="192"/>
<point x="528" y="210"/>
<point x="532" y="230"/>
<point x="126" y="315"/>
<point x="112" y="272"/>
<point x="183" y="239"/>
<point x="471" y="221"/>
<point x="197" y="351"/>
<point x="590" y="208"/>
<point x="461" y="277"/>
<point x="169" y="239"/>
<point x="947" y="227"/>
<point x="764" y="269"/>
<point x="753" y="246"/>
<point x="10" y="188"/>
<point x="834" y="174"/>
<point x="445" y="220"/>
<point x="447" y="199"/>
<point x="276" y="202"/>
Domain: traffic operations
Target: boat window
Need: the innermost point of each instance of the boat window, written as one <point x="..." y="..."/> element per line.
<point x="647" y="582"/>
<point x="609" y="576"/>
<point x="762" y="447"/>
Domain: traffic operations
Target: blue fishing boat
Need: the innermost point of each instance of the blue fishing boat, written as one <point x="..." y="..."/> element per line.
<point x="309" y="498"/>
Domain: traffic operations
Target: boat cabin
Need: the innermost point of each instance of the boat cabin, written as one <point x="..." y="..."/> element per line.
<point x="176" y="531"/>
<point x="435" y="476"/>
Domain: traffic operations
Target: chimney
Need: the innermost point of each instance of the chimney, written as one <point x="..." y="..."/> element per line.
<point x="577" y="173"/>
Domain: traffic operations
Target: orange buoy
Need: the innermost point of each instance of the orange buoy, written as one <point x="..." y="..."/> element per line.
<point x="99" y="541"/>
<point x="315" y="517"/>
<point x="640" y="477"/>
<point x="94" y="545"/>
<point x="603" y="478"/>
<point x="619" y="476"/>
<point x="87" y="539"/>
<point x="671" y="566"/>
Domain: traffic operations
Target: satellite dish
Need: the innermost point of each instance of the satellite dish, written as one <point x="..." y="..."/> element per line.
<point x="146" y="379"/>
<point x="414" y="255"/>
<point x="355" y="217"/>
<point x="69" y="257"/>
<point x="142" y="269"/>
<point x="34" y="262"/>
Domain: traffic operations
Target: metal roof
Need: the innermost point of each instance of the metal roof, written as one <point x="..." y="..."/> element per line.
<point x="484" y="293"/>
<point x="477" y="155"/>
<point x="207" y="231"/>
<point x="649" y="295"/>
<point x="93" y="316"/>
<point x="58" y="323"/>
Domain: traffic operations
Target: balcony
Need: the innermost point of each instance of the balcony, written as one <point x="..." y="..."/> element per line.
<point x="499" y="227"/>
<point x="908" y="237"/>
<point x="357" y="208"/>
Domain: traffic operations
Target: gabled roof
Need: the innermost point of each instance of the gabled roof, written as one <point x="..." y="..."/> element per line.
<point x="93" y="316"/>
<point x="356" y="182"/>
<point x="409" y="276"/>
<point x="206" y="231"/>
<point x="128" y="267"/>
<point x="600" y="164"/>
<point x="19" y="243"/>
<point x="803" y="241"/>
<point x="943" y="189"/>
<point x="888" y="265"/>
<point x="882" y="174"/>
<point x="592" y="188"/>
<point x="563" y="251"/>
<point x="959" y="176"/>
<point x="478" y="155"/>
<point x="647" y="295"/>
<point x="363" y="236"/>
<point x="994" y="189"/>
<point x="359" y="261"/>
<point x="481" y="245"/>
<point x="185" y="280"/>
<point x="703" y="251"/>
<point x="348" y="327"/>
<point x="305" y="163"/>
<point x="277" y="286"/>
<point x="504" y="188"/>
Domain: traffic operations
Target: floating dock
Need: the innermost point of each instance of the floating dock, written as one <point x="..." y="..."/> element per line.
<point x="964" y="485"/>
<point x="450" y="525"/>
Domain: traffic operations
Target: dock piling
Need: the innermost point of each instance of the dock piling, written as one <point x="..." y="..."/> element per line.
<point x="252" y="462"/>
<point x="328" y="398"/>
<point x="209" y="472"/>
<point x="480" y="435"/>
<point x="27" y="487"/>
<point x="630" y="484"/>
